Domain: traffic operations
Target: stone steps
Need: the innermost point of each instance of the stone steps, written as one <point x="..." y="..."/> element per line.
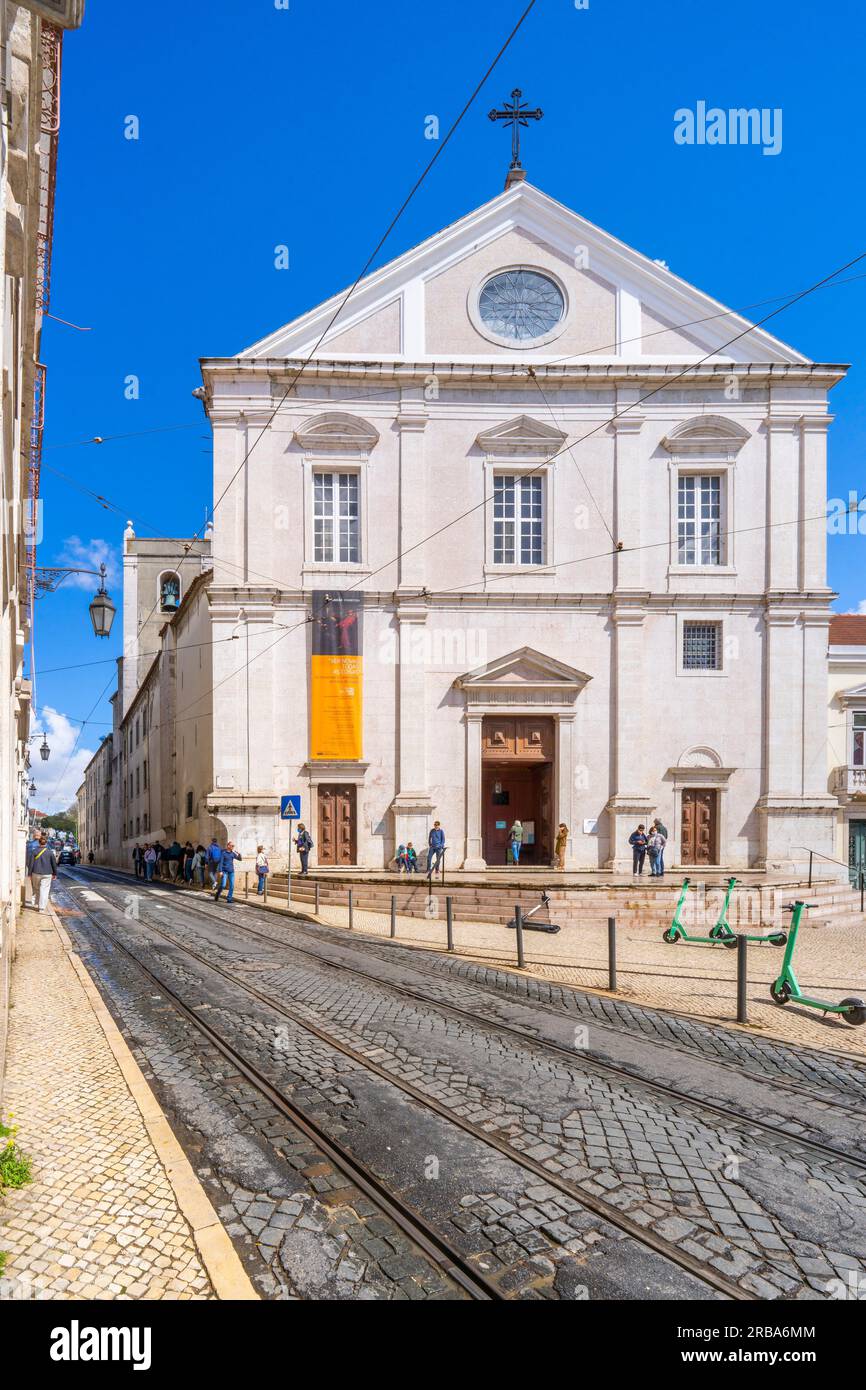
<point x="752" y="906"/>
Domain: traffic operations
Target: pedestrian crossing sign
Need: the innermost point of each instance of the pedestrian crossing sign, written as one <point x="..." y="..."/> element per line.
<point x="290" y="808"/>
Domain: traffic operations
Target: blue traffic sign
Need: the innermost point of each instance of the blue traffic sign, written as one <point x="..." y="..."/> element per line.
<point x="290" y="808"/>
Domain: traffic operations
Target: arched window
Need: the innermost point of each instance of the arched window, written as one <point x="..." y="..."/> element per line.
<point x="169" y="592"/>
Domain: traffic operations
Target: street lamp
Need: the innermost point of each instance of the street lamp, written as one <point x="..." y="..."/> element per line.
<point x="44" y="750"/>
<point x="102" y="610"/>
<point x="32" y="788"/>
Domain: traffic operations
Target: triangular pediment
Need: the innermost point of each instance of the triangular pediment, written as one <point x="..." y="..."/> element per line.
<point x="522" y="435"/>
<point x="636" y="309"/>
<point x="855" y="695"/>
<point x="525" y="668"/>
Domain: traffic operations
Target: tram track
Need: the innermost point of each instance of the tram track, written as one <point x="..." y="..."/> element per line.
<point x="697" y="1269"/>
<point x="599" y="1066"/>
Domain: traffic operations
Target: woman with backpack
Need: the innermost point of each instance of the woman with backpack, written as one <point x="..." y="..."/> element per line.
<point x="304" y="843"/>
<point x="263" y="868"/>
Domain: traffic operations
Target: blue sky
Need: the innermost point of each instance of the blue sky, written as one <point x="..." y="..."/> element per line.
<point x="262" y="126"/>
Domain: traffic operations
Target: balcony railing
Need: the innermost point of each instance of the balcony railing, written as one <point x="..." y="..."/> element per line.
<point x="851" y="781"/>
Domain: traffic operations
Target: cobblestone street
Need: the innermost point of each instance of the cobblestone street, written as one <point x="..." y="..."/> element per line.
<point x="101" y="1218"/>
<point x="622" y="1150"/>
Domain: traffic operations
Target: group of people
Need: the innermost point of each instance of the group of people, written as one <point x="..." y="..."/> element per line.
<point x="649" y="842"/>
<point x="406" y="857"/>
<point x="211" y="867"/>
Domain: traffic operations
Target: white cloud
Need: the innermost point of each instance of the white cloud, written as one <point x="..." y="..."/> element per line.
<point x="860" y="610"/>
<point x="89" y="555"/>
<point x="58" y="779"/>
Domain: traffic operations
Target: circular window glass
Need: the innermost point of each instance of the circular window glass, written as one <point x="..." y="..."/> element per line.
<point x="521" y="305"/>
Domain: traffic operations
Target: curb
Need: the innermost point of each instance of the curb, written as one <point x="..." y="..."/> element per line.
<point x="218" y="1255"/>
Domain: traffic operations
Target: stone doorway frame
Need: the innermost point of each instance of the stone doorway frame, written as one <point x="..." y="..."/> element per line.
<point x="522" y="684"/>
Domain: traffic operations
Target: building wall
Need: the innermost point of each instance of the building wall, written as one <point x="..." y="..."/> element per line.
<point x="847" y="696"/>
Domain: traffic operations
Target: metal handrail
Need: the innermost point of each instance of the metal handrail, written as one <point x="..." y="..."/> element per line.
<point x="812" y="852"/>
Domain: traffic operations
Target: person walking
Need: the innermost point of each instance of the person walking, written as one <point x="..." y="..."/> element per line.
<point x="188" y="853"/>
<point x="263" y="868"/>
<point x="662" y="830"/>
<point x="174" y="854"/>
<point x="138" y="861"/>
<point x="559" y="846"/>
<point x="214" y="858"/>
<point x="91" y="856"/>
<point x="435" y="848"/>
<point x="638" y="841"/>
<point x="515" y="838"/>
<point x="196" y="866"/>
<point x="41" y="865"/>
<point x="227" y="873"/>
<point x="150" y="862"/>
<point x="655" y="849"/>
<point x="303" y="844"/>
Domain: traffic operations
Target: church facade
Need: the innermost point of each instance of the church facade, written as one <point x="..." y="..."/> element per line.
<point x="576" y="508"/>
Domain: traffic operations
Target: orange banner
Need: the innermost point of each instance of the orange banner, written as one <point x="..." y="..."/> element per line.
<point x="336" y="678"/>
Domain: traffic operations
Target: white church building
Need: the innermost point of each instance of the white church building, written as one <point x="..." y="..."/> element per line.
<point x="581" y="505"/>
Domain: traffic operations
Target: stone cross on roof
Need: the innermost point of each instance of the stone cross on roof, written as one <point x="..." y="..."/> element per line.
<point x="517" y="113"/>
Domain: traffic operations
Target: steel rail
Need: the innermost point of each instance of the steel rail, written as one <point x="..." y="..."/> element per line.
<point x="409" y="1221"/>
<point x="593" y="1063"/>
<point x="604" y="1210"/>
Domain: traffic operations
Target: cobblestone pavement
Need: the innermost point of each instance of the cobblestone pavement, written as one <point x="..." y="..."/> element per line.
<point x="766" y="1212"/>
<point x="697" y="980"/>
<point x="100" y="1219"/>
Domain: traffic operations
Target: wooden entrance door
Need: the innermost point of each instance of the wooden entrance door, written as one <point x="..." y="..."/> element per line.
<point x="699" y="833"/>
<point x="337" y="842"/>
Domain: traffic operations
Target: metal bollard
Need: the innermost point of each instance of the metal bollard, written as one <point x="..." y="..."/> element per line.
<point x="351" y="910"/>
<point x="393" y="915"/>
<point x="265" y="888"/>
<point x="317" y="897"/>
<point x="449" y="919"/>
<point x="518" y="922"/>
<point x="611" y="954"/>
<point x="742" y="966"/>
<point x="862" y="888"/>
<point x="246" y="883"/>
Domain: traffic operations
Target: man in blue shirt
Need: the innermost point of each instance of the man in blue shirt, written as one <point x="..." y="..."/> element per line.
<point x="227" y="873"/>
<point x="435" y="848"/>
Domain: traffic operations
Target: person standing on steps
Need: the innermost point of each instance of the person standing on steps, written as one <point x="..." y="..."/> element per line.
<point x="662" y="830"/>
<point x="638" y="841"/>
<point x="227" y="873"/>
<point x="149" y="863"/>
<point x="655" y="849"/>
<point x="561" y="842"/>
<point x="515" y="839"/>
<point x="41" y="865"/>
<point x="435" y="848"/>
<point x="303" y="844"/>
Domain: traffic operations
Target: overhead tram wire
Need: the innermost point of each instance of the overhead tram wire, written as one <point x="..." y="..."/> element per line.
<point x="633" y="405"/>
<point x="547" y="362"/>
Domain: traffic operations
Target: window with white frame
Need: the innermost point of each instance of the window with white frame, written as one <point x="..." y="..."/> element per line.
<point x="702" y="646"/>
<point x="858" y="741"/>
<point x="336" y="518"/>
<point x="518" y="519"/>
<point x="699" y="519"/>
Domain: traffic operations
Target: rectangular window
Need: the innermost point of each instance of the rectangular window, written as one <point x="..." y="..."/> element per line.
<point x="858" y="753"/>
<point x="145" y="774"/>
<point x="137" y="780"/>
<point x="518" y="520"/>
<point x="336" y="519"/>
<point x="189" y="805"/>
<point x="699" y="519"/>
<point x="701" y="647"/>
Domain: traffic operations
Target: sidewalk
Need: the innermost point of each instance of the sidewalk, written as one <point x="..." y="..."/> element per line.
<point x="114" y="1210"/>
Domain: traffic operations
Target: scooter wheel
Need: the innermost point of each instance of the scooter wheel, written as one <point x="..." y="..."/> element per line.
<point x="780" y="995"/>
<point x="778" y="938"/>
<point x="671" y="937"/>
<point x="729" y="941"/>
<point x="715" y="933"/>
<point x="856" y="1012"/>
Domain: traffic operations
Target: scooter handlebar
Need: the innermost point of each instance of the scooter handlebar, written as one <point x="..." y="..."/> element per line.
<point x="789" y="907"/>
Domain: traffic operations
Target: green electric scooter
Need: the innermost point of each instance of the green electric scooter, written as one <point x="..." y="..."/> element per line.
<point x="721" y="933"/>
<point x="786" y="988"/>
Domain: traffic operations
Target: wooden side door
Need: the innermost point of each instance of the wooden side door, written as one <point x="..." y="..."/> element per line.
<point x="698" y="838"/>
<point x="337" y="836"/>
